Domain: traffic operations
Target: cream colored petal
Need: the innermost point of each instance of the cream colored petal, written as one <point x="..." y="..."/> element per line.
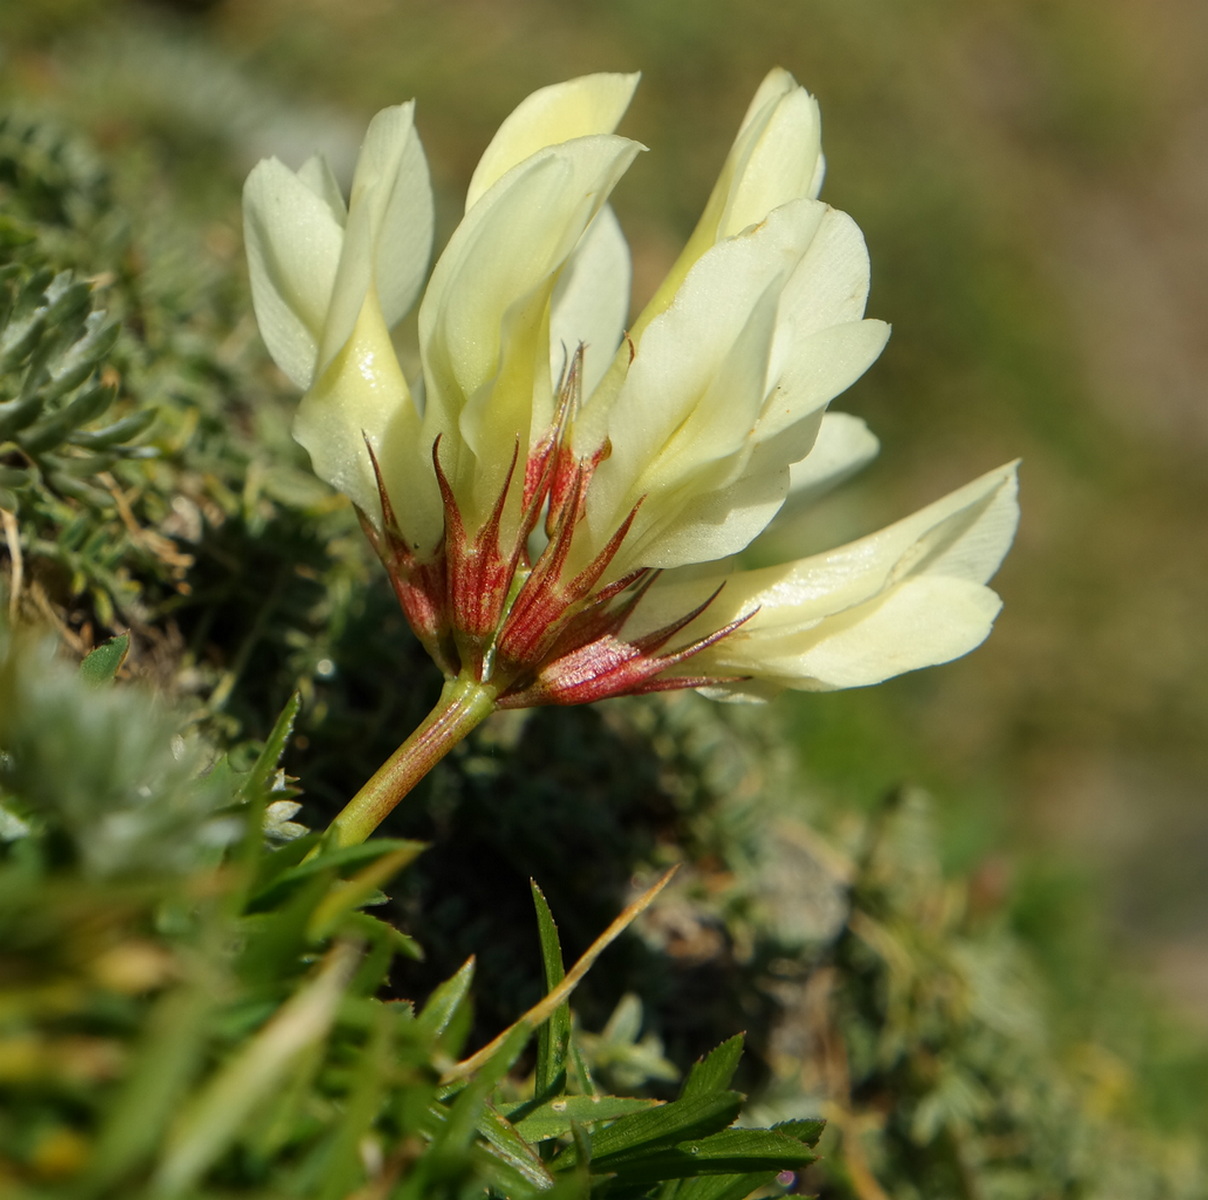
<point x="695" y="392"/>
<point x="404" y="217"/>
<point x="316" y="173"/>
<point x="293" y="248"/>
<point x="776" y="158"/>
<point x="591" y="104"/>
<point x="710" y="525"/>
<point x="962" y="536"/>
<point x="843" y="446"/>
<point x="828" y="287"/>
<point x="776" y="84"/>
<point x="815" y="371"/>
<point x="926" y="620"/>
<point x="363" y="394"/>
<point x="674" y="444"/>
<point x="705" y="525"/>
<point x="388" y="238"/>
<point x="921" y="622"/>
<point x="591" y="301"/>
<point x="484" y="320"/>
<point x="779" y="164"/>
<point x="910" y="596"/>
<point x="690" y="437"/>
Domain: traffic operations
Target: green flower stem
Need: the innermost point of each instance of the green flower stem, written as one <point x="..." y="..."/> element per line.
<point x="463" y="704"/>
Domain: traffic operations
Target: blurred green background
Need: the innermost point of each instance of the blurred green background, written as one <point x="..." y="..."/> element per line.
<point x="1032" y="179"/>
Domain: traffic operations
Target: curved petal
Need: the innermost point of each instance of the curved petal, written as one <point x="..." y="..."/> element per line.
<point x="708" y="524"/>
<point x="696" y="434"/>
<point x="776" y="158"/>
<point x="816" y="370"/>
<point x="828" y="287"/>
<point x="591" y="301"/>
<point x="484" y="320"/>
<point x="362" y="394"/>
<point x="843" y="446"/>
<point x="388" y="238"/>
<point x="683" y="354"/>
<point x="293" y="247"/>
<point x="923" y="621"/>
<point x="915" y="589"/>
<point x="963" y="535"/>
<point x="577" y="108"/>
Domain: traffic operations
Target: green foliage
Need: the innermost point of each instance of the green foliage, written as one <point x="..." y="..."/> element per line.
<point x="189" y="1008"/>
<point x="195" y="1004"/>
<point x="934" y="1041"/>
<point x="51" y="347"/>
<point x="55" y="190"/>
<point x="102" y="664"/>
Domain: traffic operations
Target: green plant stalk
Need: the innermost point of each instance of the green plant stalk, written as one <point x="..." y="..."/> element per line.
<point x="464" y="704"/>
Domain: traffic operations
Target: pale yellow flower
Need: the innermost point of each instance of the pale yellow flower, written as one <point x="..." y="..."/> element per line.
<point x="558" y="502"/>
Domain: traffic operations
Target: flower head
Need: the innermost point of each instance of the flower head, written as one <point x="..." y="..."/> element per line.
<point x="558" y="501"/>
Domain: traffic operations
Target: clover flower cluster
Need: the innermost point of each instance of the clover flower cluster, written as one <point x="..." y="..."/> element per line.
<point x="559" y="494"/>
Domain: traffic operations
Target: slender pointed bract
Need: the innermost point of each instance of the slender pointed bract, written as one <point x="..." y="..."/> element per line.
<point x="560" y="512"/>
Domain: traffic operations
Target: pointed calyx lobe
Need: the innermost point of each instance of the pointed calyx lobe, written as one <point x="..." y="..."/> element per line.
<point x="512" y="616"/>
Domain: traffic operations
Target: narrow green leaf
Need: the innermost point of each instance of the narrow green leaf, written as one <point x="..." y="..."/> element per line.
<point x="723" y="1187"/>
<point x="553" y="1036"/>
<point x="15" y="415"/>
<point x="212" y="1121"/>
<point x="116" y="434"/>
<point x="101" y="664"/>
<point x="51" y="430"/>
<point x="275" y="941"/>
<point x="510" y="1145"/>
<point x="374" y="930"/>
<point x="348" y="895"/>
<point x="263" y="768"/>
<point x="455" y="1128"/>
<point x="83" y="356"/>
<point x="714" y="1072"/>
<point x="807" y="1130"/>
<point x="442" y="1005"/>
<point x="730" y="1152"/>
<point x="328" y="860"/>
<point x="536" y="1016"/>
<point x="580" y="1155"/>
<point x="667" y="1125"/>
<point x="581" y="1073"/>
<point x="555" y="1117"/>
<point x="158" y="1077"/>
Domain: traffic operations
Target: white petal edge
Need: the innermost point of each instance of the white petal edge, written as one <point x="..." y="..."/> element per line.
<point x="591" y="301"/>
<point x="963" y="536"/>
<point x="388" y="238"/>
<point x="579" y="107"/>
<point x="921" y="622"/>
<point x="483" y="323"/>
<point x="682" y="355"/>
<point x="293" y="247"/>
<point x="843" y="446"/>
<point x="779" y="144"/>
